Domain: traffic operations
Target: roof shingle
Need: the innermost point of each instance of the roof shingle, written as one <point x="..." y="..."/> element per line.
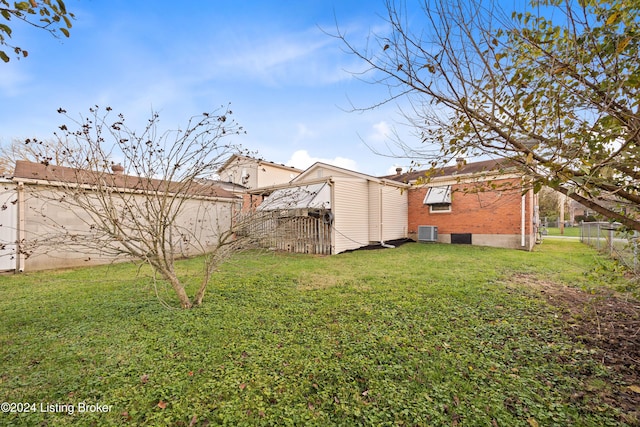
<point x="466" y="169"/>
<point x="52" y="173"/>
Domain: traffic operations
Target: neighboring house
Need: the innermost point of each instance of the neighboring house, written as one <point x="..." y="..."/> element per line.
<point x="245" y="173"/>
<point x="483" y="203"/>
<point x="32" y="217"/>
<point x="347" y="210"/>
<point x="254" y="173"/>
<point x="579" y="212"/>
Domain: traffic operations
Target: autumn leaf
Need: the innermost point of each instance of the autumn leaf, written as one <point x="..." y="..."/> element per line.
<point x="623" y="44"/>
<point x="533" y="423"/>
<point x="613" y="18"/>
<point x="634" y="388"/>
<point x="162" y="404"/>
<point x="243" y="386"/>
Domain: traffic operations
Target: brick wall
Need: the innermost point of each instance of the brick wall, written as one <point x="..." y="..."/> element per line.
<point x="477" y="212"/>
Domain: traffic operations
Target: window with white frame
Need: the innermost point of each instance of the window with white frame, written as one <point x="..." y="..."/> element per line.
<point x="438" y="199"/>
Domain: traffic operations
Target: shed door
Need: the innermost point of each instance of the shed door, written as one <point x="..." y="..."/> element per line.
<point x="8" y="227"/>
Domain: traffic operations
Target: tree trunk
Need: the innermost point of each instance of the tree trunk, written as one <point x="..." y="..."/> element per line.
<point x="197" y="299"/>
<point x="185" y="302"/>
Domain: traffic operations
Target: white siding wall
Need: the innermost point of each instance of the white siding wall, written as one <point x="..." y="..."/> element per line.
<point x="55" y="232"/>
<point x="395" y="212"/>
<point x="8" y="225"/>
<point x="269" y="175"/>
<point x="260" y="174"/>
<point x="351" y="216"/>
<point x="389" y="220"/>
<point x="319" y="172"/>
<point x="375" y="228"/>
<point x="234" y="172"/>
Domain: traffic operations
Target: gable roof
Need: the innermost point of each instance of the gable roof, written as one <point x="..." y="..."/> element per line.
<point x="260" y="162"/>
<point x="340" y="170"/>
<point x="473" y="168"/>
<point x="31" y="171"/>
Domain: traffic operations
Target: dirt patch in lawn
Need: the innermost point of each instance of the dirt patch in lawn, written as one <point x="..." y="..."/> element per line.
<point x="609" y="325"/>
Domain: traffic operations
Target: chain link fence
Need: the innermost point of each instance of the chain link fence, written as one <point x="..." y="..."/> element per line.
<point x="612" y="239"/>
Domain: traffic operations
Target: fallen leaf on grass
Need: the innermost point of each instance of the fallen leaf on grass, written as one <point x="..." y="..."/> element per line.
<point x="243" y="386"/>
<point x="193" y="422"/>
<point x="634" y="388"/>
<point x="162" y="404"/>
<point x="533" y="423"/>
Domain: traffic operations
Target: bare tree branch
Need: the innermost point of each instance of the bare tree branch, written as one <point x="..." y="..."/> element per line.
<point x="560" y="99"/>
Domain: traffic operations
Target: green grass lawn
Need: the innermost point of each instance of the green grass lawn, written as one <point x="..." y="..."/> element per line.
<point x="568" y="231"/>
<point x="423" y="334"/>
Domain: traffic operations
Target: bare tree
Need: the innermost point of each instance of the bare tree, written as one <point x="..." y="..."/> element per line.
<point x="553" y="87"/>
<point x="33" y="150"/>
<point x="154" y="204"/>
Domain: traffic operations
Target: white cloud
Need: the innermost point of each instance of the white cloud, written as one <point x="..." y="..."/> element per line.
<point x="382" y="132"/>
<point x="308" y="57"/>
<point x="303" y="132"/>
<point x="301" y="159"/>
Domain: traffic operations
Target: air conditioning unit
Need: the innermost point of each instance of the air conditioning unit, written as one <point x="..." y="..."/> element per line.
<point x="427" y="233"/>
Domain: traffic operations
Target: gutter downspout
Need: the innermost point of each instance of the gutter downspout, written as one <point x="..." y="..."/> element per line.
<point x="523" y="222"/>
<point x="382" y="243"/>
<point x="332" y="200"/>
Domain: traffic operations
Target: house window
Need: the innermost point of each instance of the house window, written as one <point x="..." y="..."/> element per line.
<point x="440" y="207"/>
<point x="438" y="199"/>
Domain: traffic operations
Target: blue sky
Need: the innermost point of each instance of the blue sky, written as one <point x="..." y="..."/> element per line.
<point x="289" y="83"/>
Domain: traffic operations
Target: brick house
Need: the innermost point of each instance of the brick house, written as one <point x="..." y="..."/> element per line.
<point x="483" y="203"/>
